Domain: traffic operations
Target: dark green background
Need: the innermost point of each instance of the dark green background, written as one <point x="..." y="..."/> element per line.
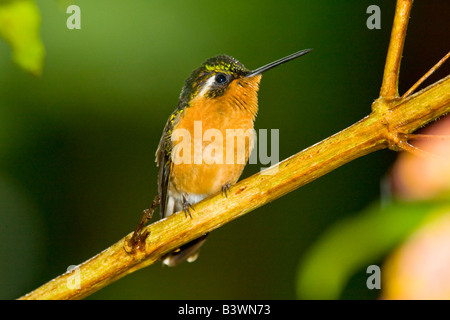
<point x="77" y="144"/>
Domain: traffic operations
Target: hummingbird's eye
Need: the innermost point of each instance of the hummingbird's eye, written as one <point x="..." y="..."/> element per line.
<point x="221" y="78"/>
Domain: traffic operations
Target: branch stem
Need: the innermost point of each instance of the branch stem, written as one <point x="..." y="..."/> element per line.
<point x="389" y="87"/>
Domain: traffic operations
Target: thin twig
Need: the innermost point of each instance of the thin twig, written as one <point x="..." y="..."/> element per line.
<point x="417" y="136"/>
<point x="389" y="87"/>
<point x="426" y="75"/>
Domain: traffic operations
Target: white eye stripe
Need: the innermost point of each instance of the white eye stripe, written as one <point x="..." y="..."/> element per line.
<point x="207" y="85"/>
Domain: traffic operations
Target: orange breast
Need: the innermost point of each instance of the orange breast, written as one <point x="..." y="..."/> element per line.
<point x="217" y="138"/>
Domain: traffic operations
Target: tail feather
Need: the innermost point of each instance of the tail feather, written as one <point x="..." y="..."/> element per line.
<point x="188" y="252"/>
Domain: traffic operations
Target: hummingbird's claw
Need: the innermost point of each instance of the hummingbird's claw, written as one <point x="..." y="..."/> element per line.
<point x="226" y="189"/>
<point x="187" y="206"/>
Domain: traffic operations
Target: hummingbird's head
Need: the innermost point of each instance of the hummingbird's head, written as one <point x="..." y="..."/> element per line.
<point x="225" y="78"/>
<point x="213" y="78"/>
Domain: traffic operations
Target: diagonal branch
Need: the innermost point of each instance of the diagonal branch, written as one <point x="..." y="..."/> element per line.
<point x="390" y="122"/>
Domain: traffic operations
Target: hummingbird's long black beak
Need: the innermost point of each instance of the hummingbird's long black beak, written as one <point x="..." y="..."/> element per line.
<point x="277" y="63"/>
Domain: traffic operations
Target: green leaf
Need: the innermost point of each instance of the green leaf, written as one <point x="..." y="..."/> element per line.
<point x="19" y="27"/>
<point x="356" y="243"/>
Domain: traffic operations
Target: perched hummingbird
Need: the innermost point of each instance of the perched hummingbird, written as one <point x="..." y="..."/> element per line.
<point x="221" y="94"/>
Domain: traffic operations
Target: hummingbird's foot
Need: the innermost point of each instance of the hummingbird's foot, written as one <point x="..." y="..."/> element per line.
<point x="137" y="240"/>
<point x="187" y="206"/>
<point x="226" y="189"/>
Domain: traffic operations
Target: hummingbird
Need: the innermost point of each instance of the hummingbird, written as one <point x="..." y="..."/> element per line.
<point x="219" y="95"/>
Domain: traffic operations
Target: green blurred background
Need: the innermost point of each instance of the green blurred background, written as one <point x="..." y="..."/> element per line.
<point x="77" y="144"/>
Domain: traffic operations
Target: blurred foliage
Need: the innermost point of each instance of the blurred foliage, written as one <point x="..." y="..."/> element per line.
<point x="356" y="243"/>
<point x="19" y="26"/>
<point x="77" y="144"/>
<point x="418" y="269"/>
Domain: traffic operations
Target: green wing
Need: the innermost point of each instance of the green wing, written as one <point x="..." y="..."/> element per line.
<point x="164" y="159"/>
